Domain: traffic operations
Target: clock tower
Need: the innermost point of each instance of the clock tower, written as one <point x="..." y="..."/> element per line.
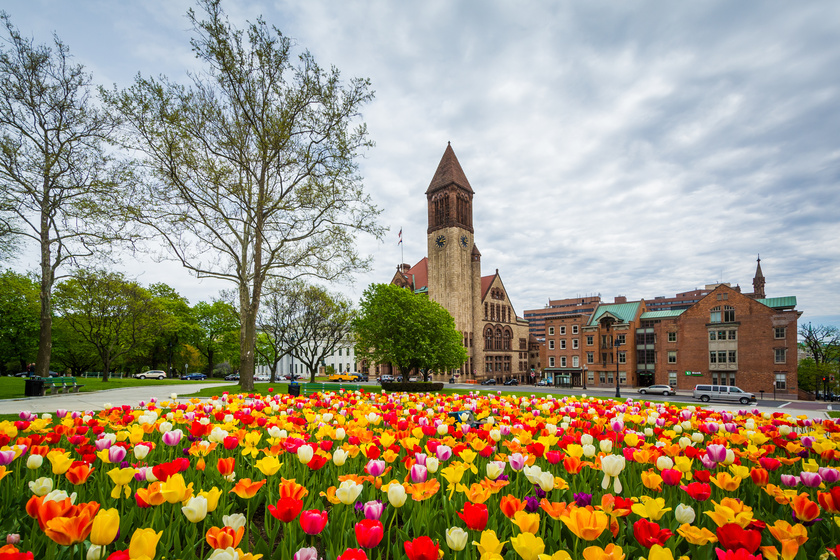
<point x="453" y="280"/>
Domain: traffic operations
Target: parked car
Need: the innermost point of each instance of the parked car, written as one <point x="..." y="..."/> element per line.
<point x="490" y="381"/>
<point x="29" y="374"/>
<point x="194" y="377"/>
<point x="722" y="393"/>
<point x="452" y="379"/>
<point x="339" y="377"/>
<point x="542" y="383"/>
<point x="151" y="374"/>
<point x="232" y="377"/>
<point x="359" y="376"/>
<point x="657" y="390"/>
<point x="386" y="379"/>
<point x="513" y="381"/>
<point x="262" y="377"/>
<point x="413" y="379"/>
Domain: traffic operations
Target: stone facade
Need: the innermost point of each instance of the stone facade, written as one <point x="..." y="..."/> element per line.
<point x="495" y="338"/>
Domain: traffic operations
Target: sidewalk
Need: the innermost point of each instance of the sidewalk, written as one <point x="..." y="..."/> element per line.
<point x="97" y="400"/>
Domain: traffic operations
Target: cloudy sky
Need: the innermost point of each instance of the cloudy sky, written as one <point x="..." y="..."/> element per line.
<point x="615" y="148"/>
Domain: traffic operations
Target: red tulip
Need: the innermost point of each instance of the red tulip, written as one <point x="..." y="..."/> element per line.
<point x="649" y="533"/>
<point x="739" y="554"/>
<point x="702" y="476"/>
<point x="316" y="462"/>
<point x="474" y="515"/>
<point x="353" y="554"/>
<point x="769" y="463"/>
<point x="422" y="548"/>
<point x="313" y="521"/>
<point x="286" y="509"/>
<point x="698" y="491"/>
<point x="671" y="477"/>
<point x="369" y="533"/>
<point x="830" y="501"/>
<point x="732" y="537"/>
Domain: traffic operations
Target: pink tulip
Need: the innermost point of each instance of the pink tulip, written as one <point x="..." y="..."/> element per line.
<point x="418" y="474"/>
<point x="789" y="480"/>
<point x="172" y="438"/>
<point x="116" y="454"/>
<point x="707" y="463"/>
<point x="716" y="453"/>
<point x="375" y="467"/>
<point x="443" y="452"/>
<point x="61" y="413"/>
<point x="616" y="425"/>
<point x="517" y="461"/>
<point x="828" y="475"/>
<point x="6" y="457"/>
<point x="808" y="441"/>
<point x="810" y="479"/>
<point x="373" y="509"/>
<point x="420" y="458"/>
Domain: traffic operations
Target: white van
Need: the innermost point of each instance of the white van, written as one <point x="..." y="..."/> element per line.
<point x="729" y="393"/>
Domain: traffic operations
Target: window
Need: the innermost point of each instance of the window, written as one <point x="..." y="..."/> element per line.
<point x="590" y="340"/>
<point x="733" y="334"/>
<point x="488" y="364"/>
<point x="562" y="343"/>
<point x="562" y="330"/>
<point x="721" y="335"/>
<point x="551" y="361"/>
<point x="551" y="345"/>
<point x="781" y="380"/>
<point x="728" y="314"/>
<point x="672" y="337"/>
<point x="712" y="335"/>
<point x="714" y="382"/>
<point x="550" y="331"/>
<point x="672" y="357"/>
<point x="590" y="357"/>
<point x="621" y="339"/>
<point x="339" y="351"/>
<point x="575" y="361"/>
<point x="721" y="357"/>
<point x="340" y="366"/>
<point x="592" y="377"/>
<point x="779" y="332"/>
<point x="603" y="377"/>
<point x="622" y="357"/>
<point x="713" y="359"/>
<point x="562" y="361"/>
<point x="781" y="355"/>
<point x="574" y="329"/>
<point x="622" y="377"/>
<point x="733" y="356"/>
<point x="575" y="343"/>
<point x="714" y="314"/>
<point x="609" y="377"/>
<point x="672" y="378"/>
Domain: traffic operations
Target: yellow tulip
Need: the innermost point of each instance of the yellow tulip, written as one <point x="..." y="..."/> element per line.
<point x="528" y="546"/>
<point x="175" y="490"/>
<point x="60" y="462"/>
<point x="527" y="522"/>
<point x="489" y="544"/>
<point x="611" y="552"/>
<point x="659" y="553"/>
<point x="144" y="543"/>
<point x="269" y="465"/>
<point x="651" y="508"/>
<point x="212" y="496"/>
<point x="696" y="535"/>
<point x="106" y="525"/>
<point x="559" y="555"/>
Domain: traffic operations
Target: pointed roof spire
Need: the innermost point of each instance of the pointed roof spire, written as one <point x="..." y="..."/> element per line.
<point x="448" y="172"/>
<point x="758" y="273"/>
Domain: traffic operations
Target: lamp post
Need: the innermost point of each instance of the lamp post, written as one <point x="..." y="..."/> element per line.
<point x="617" y="387"/>
<point x="585" y="373"/>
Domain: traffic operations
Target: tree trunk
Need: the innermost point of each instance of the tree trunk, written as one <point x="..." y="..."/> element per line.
<point x="106" y="365"/>
<point x="42" y="361"/>
<point x="210" y="361"/>
<point x="247" y="338"/>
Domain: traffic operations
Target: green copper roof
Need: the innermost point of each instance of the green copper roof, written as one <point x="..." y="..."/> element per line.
<point x="664" y="314"/>
<point x="778" y="302"/>
<point x="626" y="312"/>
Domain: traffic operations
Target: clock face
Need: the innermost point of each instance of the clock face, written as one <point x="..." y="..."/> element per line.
<point x="464" y="241"/>
<point x="440" y="241"/>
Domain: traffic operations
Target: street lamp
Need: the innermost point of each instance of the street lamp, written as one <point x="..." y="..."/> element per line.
<point x="585" y="373"/>
<point x="617" y="387"/>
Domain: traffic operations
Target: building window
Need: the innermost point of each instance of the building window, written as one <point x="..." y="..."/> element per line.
<point x="781" y="380"/>
<point x="714" y="314"/>
<point x="781" y="355"/>
<point x="551" y="361"/>
<point x="550" y="331"/>
<point x="672" y="357"/>
<point x="590" y="340"/>
<point x="488" y="364"/>
<point x="728" y="314"/>
<point x="575" y="361"/>
<point x="609" y="377"/>
<point x="590" y="357"/>
<point x="713" y="358"/>
<point x="603" y="378"/>
<point x="721" y="357"/>
<point x="339" y="351"/>
<point x="721" y="335"/>
<point x="779" y="332"/>
<point x="592" y="377"/>
<point x="575" y="343"/>
<point x="672" y="337"/>
<point x="733" y="356"/>
<point x="562" y="343"/>
<point x="562" y="330"/>
<point x="672" y="378"/>
<point x="562" y="361"/>
<point x="622" y="357"/>
<point x="574" y="329"/>
<point x="622" y="377"/>
<point x="733" y="335"/>
<point x="712" y="335"/>
<point x="621" y="339"/>
<point x="551" y="345"/>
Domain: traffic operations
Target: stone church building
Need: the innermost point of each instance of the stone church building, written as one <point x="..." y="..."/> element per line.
<point x="495" y="338"/>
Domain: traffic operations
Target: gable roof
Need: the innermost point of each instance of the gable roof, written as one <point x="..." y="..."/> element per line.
<point x="419" y="273"/>
<point x="626" y="312"/>
<point x="448" y="172"/>
<point x="486" y="281"/>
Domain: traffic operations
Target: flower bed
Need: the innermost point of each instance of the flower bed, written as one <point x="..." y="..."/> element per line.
<point x="373" y="475"/>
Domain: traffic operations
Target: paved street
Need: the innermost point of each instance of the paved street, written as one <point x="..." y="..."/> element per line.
<point x="133" y="395"/>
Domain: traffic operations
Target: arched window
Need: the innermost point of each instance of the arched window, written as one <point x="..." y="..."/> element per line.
<point x="498" y="344"/>
<point x="488" y="338"/>
<point x="508" y="336"/>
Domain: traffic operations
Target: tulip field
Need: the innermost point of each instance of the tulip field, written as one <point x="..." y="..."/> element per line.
<point x="356" y="475"/>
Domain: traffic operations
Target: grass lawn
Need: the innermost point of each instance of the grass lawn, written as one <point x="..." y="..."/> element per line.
<point x="12" y="387"/>
<point x="834" y="413"/>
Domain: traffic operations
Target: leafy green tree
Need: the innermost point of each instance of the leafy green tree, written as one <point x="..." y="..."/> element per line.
<point x="253" y="169"/>
<point x="178" y="325"/>
<point x="810" y="374"/>
<point x="408" y="330"/>
<point x="58" y="179"/>
<point x="216" y="322"/>
<point x="112" y="314"/>
<point x="71" y="351"/>
<point x="18" y="319"/>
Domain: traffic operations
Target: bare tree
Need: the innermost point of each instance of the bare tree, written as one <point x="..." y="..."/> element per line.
<point x="252" y="170"/>
<point x="821" y="341"/>
<point x="278" y="311"/>
<point x="57" y="179"/>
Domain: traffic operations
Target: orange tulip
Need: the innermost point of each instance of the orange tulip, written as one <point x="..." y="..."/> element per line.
<point x="69" y="530"/>
<point x="291" y="489"/>
<point x="805" y="509"/>
<point x="226" y="466"/>
<point x="611" y="552"/>
<point x="511" y="504"/>
<point x="226" y="537"/>
<point x="587" y="524"/>
<point x="423" y="490"/>
<point x="44" y="512"/>
<point x="247" y="489"/>
<point x="572" y="464"/>
<point x="554" y="509"/>
<point x="151" y="495"/>
<point x="760" y="477"/>
<point x="79" y="473"/>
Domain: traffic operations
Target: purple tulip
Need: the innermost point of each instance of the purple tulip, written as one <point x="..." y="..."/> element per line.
<point x="716" y="453"/>
<point x="713" y="428"/>
<point x="172" y="438"/>
<point x="829" y="475"/>
<point x="116" y="454"/>
<point x="61" y="412"/>
<point x="810" y="479"/>
<point x="532" y="504"/>
<point x="443" y="452"/>
<point x="731" y="427"/>
<point x="539" y="492"/>
<point x="685" y="415"/>
<point x="373" y="509"/>
<point x="616" y="425"/>
<point x="582" y="499"/>
<point x="807" y="441"/>
<point x="789" y="480"/>
<point x="420" y="458"/>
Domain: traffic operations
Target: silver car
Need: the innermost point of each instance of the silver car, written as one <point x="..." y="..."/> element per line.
<point x="729" y="393"/>
<point x="657" y="390"/>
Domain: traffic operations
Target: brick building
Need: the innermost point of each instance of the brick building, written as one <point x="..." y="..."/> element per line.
<point x="495" y="338"/>
<point x="559" y="308"/>
<point x="725" y="337"/>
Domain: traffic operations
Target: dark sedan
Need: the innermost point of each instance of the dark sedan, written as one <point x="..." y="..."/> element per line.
<point x="512" y="382"/>
<point x="194" y="377"/>
<point x="490" y="381"/>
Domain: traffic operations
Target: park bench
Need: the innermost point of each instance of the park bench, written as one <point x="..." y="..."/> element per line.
<point x="310" y="388"/>
<point x="63" y="384"/>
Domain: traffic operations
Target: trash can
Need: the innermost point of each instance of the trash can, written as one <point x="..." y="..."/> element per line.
<point x="294" y="389"/>
<point x="33" y="387"/>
